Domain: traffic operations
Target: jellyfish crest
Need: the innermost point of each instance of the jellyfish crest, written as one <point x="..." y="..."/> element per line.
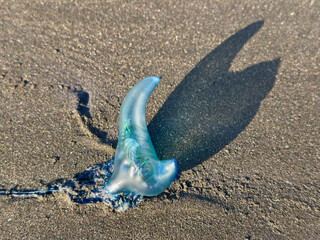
<point x="137" y="168"/>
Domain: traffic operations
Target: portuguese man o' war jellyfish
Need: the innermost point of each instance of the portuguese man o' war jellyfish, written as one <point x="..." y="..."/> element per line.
<point x="137" y="168"/>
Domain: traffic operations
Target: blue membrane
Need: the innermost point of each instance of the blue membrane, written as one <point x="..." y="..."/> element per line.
<point x="98" y="175"/>
<point x="137" y="169"/>
<point x="86" y="187"/>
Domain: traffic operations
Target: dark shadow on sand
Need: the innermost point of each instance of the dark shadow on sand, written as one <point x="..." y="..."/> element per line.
<point x="84" y="112"/>
<point x="211" y="105"/>
<point x="207" y="110"/>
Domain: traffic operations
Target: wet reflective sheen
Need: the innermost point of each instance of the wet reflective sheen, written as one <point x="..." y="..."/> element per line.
<point x="137" y="168"/>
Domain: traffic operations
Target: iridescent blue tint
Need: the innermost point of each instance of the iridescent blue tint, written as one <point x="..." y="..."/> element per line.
<point x="137" y="168"/>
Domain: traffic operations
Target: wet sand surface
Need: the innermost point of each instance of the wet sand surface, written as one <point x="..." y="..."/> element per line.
<point x="238" y="107"/>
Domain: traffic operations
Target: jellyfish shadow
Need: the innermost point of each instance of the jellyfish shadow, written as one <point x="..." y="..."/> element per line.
<point x="207" y="110"/>
<point x="211" y="106"/>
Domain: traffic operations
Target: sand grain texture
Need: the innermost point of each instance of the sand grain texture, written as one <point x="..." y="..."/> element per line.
<point x="238" y="107"/>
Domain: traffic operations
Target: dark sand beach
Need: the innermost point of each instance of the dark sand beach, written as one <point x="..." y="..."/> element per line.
<point x="237" y="106"/>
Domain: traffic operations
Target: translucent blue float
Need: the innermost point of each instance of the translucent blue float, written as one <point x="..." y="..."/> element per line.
<point x="137" y="169"/>
<point x="134" y="172"/>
